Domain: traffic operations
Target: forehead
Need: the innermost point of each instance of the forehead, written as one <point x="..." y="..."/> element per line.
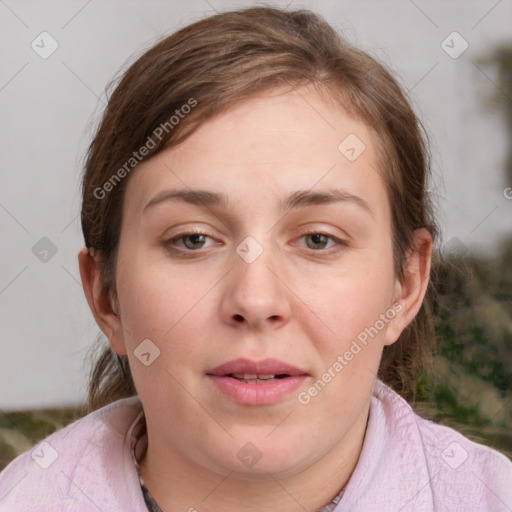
<point x="269" y="145"/>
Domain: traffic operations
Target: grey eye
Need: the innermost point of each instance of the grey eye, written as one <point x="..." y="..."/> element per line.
<point x="196" y="241"/>
<point x="318" y="240"/>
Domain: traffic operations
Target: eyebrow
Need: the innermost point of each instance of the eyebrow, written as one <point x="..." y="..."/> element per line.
<point x="298" y="199"/>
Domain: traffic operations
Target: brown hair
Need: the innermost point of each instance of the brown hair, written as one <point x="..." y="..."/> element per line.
<point x="217" y="62"/>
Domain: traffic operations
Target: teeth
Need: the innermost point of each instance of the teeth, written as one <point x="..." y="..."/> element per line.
<point x="252" y="376"/>
<point x="252" y="381"/>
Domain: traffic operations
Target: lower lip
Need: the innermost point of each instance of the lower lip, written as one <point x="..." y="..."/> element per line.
<point x="257" y="394"/>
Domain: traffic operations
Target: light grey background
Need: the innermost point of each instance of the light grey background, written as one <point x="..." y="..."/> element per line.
<point x="48" y="107"/>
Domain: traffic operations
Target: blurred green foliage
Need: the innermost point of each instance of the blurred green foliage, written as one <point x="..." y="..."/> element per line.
<point x="20" y="430"/>
<point x="501" y="59"/>
<point x="470" y="386"/>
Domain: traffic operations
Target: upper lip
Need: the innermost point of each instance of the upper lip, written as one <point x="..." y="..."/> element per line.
<point x="265" y="367"/>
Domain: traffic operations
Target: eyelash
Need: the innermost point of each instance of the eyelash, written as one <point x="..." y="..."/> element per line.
<point x="170" y="244"/>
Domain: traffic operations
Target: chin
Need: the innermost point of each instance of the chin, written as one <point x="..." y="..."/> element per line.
<point x="272" y="461"/>
<point x="265" y="471"/>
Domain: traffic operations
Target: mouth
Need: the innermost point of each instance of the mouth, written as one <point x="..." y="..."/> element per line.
<point x="257" y="379"/>
<point x="248" y="369"/>
<point x="256" y="382"/>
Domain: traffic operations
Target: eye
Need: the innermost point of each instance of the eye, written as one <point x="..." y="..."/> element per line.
<point x="320" y="241"/>
<point x="190" y="241"/>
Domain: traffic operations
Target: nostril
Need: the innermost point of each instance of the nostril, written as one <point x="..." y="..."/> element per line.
<point x="239" y="318"/>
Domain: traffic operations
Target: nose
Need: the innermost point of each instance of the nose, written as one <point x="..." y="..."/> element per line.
<point x="255" y="294"/>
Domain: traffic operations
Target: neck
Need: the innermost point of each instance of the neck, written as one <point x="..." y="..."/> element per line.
<point x="185" y="485"/>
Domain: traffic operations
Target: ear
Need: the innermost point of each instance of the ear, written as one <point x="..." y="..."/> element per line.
<point x="411" y="288"/>
<point x="99" y="301"/>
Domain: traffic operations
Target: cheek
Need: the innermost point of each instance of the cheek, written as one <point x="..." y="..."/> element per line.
<point x="178" y="313"/>
<point x="347" y="329"/>
<point x="341" y="306"/>
<point x="158" y="302"/>
<point x="170" y="311"/>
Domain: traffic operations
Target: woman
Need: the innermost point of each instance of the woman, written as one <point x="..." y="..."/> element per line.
<point x="258" y="244"/>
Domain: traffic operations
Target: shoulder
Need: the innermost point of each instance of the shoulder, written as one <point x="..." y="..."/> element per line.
<point x="85" y="466"/>
<point x="462" y="474"/>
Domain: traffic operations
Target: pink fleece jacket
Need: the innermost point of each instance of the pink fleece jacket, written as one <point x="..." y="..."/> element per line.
<point x="407" y="464"/>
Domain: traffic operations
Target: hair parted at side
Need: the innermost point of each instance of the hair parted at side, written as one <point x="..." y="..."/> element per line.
<point x="218" y="62"/>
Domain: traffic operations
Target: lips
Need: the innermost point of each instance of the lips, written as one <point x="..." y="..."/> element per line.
<point x="265" y="370"/>
<point x="256" y="382"/>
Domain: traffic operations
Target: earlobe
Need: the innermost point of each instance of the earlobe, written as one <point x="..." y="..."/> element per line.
<point x="99" y="301"/>
<point x="411" y="288"/>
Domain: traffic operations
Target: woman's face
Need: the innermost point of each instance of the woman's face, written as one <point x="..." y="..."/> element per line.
<point x="259" y="246"/>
